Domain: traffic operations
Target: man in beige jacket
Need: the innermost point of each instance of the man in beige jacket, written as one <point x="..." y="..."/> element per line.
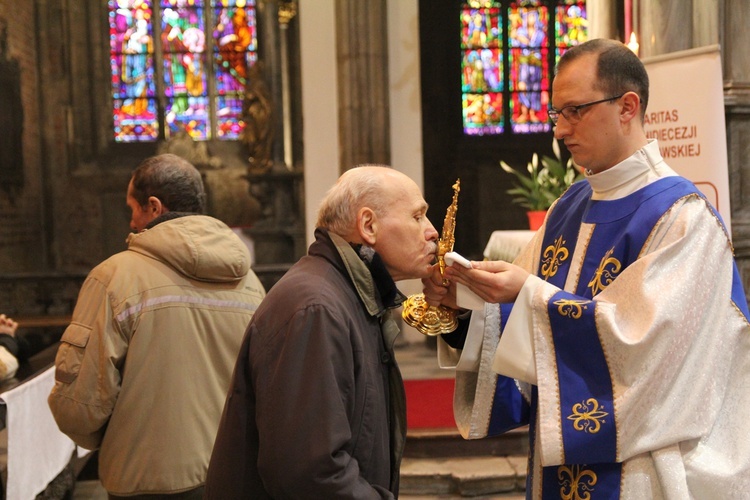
<point x="144" y="367"/>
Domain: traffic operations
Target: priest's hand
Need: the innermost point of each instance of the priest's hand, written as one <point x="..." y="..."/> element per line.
<point x="436" y="292"/>
<point x="494" y="281"/>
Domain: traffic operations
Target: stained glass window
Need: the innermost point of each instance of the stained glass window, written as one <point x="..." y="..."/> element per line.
<point x="180" y="65"/>
<point x="482" y="68"/>
<point x="509" y="49"/>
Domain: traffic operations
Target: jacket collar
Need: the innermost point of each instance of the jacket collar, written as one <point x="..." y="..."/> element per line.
<point x="167" y="216"/>
<point x="365" y="268"/>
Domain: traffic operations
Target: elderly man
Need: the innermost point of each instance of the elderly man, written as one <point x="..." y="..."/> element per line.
<point x="317" y="408"/>
<point x="143" y="369"/>
<point x="628" y="336"/>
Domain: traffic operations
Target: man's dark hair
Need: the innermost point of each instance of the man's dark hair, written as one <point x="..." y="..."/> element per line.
<point x="171" y="179"/>
<point x="618" y="69"/>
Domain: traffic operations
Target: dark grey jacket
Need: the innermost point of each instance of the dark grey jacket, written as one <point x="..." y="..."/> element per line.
<point x="316" y="408"/>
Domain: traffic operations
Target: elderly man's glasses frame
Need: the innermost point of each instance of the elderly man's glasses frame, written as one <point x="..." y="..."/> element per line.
<point x="572" y="113"/>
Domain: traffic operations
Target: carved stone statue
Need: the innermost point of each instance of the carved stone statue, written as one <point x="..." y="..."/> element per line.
<point x="181" y="144"/>
<point x="257" y="112"/>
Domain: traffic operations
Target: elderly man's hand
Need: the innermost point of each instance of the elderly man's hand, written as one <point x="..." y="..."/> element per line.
<point x="436" y="293"/>
<point x="494" y="281"/>
<point x="7" y="325"/>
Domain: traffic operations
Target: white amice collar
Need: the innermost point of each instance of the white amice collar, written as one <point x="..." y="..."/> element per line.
<point x="635" y="172"/>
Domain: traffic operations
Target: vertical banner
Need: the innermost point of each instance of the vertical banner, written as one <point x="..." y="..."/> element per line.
<point x="685" y="114"/>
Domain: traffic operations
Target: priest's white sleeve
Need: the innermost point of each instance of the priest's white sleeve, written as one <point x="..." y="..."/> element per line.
<point x="466" y="359"/>
<point x="514" y="357"/>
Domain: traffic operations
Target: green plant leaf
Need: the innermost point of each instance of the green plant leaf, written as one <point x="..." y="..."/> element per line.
<point x="542" y="185"/>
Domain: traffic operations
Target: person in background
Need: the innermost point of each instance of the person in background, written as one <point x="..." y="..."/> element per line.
<point x="316" y="408"/>
<point x="143" y="369"/>
<point x="620" y="334"/>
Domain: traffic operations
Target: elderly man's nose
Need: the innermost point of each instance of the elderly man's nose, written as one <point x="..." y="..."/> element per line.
<point x="432" y="233"/>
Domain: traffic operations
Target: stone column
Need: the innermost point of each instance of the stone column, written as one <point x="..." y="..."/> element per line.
<point x="362" y="56"/>
<point x="602" y="18"/>
<point x="270" y="55"/>
<point x="664" y="26"/>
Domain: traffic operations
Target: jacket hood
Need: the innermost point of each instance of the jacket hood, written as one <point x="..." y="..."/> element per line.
<point x="198" y="246"/>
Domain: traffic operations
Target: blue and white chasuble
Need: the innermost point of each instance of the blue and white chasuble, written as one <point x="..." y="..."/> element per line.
<point x="636" y="329"/>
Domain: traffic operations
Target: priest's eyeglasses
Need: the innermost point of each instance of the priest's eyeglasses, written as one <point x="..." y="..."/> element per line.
<point x="572" y="113"/>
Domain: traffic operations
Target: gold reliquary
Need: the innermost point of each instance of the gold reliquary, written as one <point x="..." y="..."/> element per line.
<point x="436" y="320"/>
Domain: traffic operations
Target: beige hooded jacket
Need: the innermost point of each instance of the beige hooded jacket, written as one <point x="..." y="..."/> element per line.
<point x="144" y="367"/>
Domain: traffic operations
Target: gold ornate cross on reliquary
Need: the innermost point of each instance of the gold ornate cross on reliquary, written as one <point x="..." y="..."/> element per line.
<point x="436" y="320"/>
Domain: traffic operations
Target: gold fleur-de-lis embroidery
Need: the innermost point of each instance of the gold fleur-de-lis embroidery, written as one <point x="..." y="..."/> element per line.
<point x="571" y="308"/>
<point x="576" y="483"/>
<point x="553" y="256"/>
<point x="588" y="416"/>
<point x="606" y="274"/>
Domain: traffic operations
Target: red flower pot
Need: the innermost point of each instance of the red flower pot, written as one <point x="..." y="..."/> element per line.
<point x="536" y="218"/>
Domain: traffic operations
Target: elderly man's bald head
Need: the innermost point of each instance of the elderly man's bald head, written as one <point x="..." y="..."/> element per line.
<point x="363" y="186"/>
<point x="382" y="208"/>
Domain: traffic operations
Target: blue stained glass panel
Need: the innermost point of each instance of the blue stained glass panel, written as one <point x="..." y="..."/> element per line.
<point x="189" y="114"/>
<point x="529" y="69"/>
<point x="132" y="75"/>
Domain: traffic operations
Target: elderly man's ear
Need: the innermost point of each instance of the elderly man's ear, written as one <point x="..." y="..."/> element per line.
<point x="367" y="226"/>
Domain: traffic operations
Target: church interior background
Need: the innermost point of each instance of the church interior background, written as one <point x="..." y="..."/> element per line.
<point x="273" y="99"/>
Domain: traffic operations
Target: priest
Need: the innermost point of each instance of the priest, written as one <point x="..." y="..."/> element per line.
<point x="620" y="334"/>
